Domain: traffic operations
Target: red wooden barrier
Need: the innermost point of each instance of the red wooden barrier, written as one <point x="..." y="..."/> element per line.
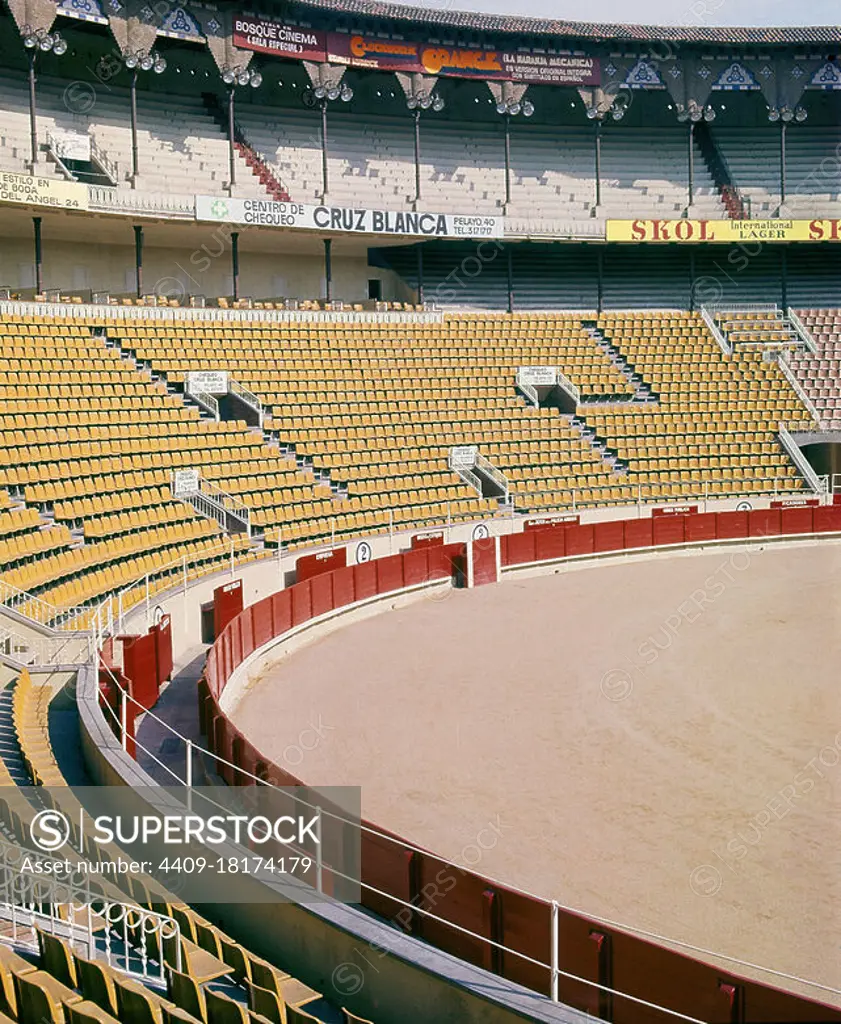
<point x="365" y="580"/>
<point x="638" y="533"/>
<point x="233" y="631"/>
<point x="442" y="559"/>
<point x="308" y="566"/>
<point x="609" y="536"/>
<point x="281" y="612"/>
<point x="389" y="573"/>
<point x="827" y="518"/>
<point x="416" y="566"/>
<point x="796" y="520"/>
<point x="731" y="525"/>
<point x="343" y="586"/>
<point x="301" y="602"/>
<point x="551" y="543"/>
<point x="246" y="632"/>
<point x="485" y="567"/>
<point x="227" y="604"/>
<point x="140" y="666"/>
<point x="580" y="539"/>
<point x="261" y="618"/>
<point x="162" y="632"/>
<point x="321" y="588"/>
<point x="519" y="548"/>
<point x="764" y="522"/>
<point x="700" y="526"/>
<point x="669" y="529"/>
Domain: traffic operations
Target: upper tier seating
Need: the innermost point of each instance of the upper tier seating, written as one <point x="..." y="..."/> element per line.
<point x="181" y="150"/>
<point x="820" y="374"/>
<point x="752" y="156"/>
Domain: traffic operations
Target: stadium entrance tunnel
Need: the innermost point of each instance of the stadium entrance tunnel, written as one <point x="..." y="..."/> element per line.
<point x="232" y="407"/>
<point x="822" y="449"/>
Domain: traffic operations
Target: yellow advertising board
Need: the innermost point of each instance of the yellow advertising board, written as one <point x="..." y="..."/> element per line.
<point x="62" y="195"/>
<point x="725" y="231"/>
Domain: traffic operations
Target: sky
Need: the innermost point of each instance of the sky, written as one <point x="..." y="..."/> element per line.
<point x="710" y="13"/>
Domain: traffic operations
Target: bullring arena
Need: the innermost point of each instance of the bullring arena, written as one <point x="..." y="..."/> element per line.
<point x="653" y="742"/>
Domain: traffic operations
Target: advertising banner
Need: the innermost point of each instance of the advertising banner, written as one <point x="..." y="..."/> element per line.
<point x="268" y="213"/>
<point x="264" y="35"/>
<point x="725" y="231"/>
<point x="22" y="188"/>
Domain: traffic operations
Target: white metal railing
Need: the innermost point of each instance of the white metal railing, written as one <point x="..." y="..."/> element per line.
<point x="37" y="610"/>
<point x="105" y="162"/>
<point x="207" y="401"/>
<point x="491" y="471"/>
<point x="818" y="484"/>
<point x="43" y="651"/>
<point x="250" y="399"/>
<point x="571" y="389"/>
<point x="529" y="391"/>
<point x="802" y="331"/>
<point x="107" y="199"/>
<point x="73" y="908"/>
<point x="81" y="310"/>
<point x="798" y="389"/>
<point x="715" y="330"/>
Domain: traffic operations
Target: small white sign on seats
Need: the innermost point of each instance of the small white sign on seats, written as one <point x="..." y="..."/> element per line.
<point x="211" y="382"/>
<point x="185" y="481"/>
<point x="537" y="376"/>
<point x="463" y="456"/>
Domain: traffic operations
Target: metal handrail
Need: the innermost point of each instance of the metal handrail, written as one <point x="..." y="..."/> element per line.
<point x="798" y="389"/>
<point x="250" y="399"/>
<point x="207" y="401"/>
<point x="818" y="484"/>
<point x="572" y="389"/>
<point x="715" y="330"/>
<point x="802" y="331"/>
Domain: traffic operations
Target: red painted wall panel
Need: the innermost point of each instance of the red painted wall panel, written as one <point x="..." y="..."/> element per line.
<point x="796" y="520"/>
<point x="639" y="533"/>
<point x="700" y="526"/>
<point x="141" y="668"/>
<point x="389" y="573"/>
<point x="261" y="617"/>
<point x="162" y="632"/>
<point x="365" y="580"/>
<point x="322" y="593"/>
<point x="246" y="631"/>
<point x="731" y="524"/>
<point x="668" y="529"/>
<point x="518" y="548"/>
<point x="343" y="586"/>
<point x="551" y="543"/>
<point x="764" y="522"/>
<point x="227" y="603"/>
<point x="485" y="568"/>
<point x="301" y="602"/>
<point x="416" y="566"/>
<point x="441" y="560"/>
<point x="281" y="612"/>
<point x="827" y="518"/>
<point x="580" y="539"/>
<point x="236" y="643"/>
<point x="609" y="536"/>
<point x="308" y="566"/>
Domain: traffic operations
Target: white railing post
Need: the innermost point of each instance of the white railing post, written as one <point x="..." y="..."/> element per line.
<point x="554" y="955"/>
<point x="124" y="718"/>
<point x="332" y="533"/>
<point x="148" y="605"/>
<point x="319" y="866"/>
<point x="391" y="531"/>
<point x="232" y="556"/>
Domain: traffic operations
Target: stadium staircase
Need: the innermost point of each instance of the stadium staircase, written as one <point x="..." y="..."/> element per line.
<point x="254" y="160"/>
<point x="727" y="189"/>
<point x="641" y="390"/>
<point x="761" y="326"/>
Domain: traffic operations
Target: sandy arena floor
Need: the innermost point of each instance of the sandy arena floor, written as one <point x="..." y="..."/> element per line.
<point x="656" y="743"/>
